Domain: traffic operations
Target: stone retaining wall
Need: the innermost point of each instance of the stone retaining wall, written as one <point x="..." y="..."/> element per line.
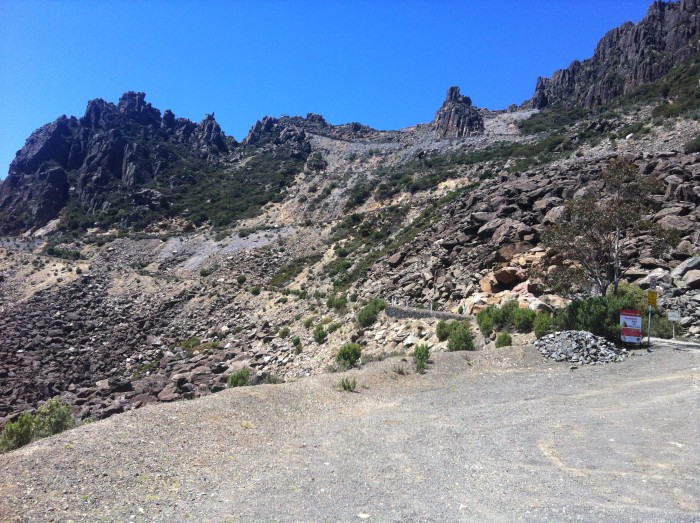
<point x="395" y="311"/>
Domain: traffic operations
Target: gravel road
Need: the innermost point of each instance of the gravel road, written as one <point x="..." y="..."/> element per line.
<point x="498" y="435"/>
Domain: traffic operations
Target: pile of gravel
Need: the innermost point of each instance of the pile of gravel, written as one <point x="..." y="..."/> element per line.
<point x="580" y="347"/>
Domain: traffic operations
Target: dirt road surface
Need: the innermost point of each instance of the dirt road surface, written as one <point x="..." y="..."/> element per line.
<point x="499" y="435"/>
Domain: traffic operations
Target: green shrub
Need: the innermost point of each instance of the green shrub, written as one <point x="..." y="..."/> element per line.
<point x="485" y="321"/>
<point x="51" y="418"/>
<point x="337" y="303"/>
<point x="347" y="384"/>
<point x="507" y="311"/>
<point x="543" y="324"/>
<point x="320" y="334"/>
<point x="493" y="317"/>
<point x="239" y="378"/>
<point x="421" y="354"/>
<point x="601" y="314"/>
<point x="241" y="279"/>
<point x="369" y="313"/>
<point x="460" y="337"/>
<point x="523" y="319"/>
<point x="189" y="345"/>
<point x="284" y="332"/>
<point x="17" y="433"/>
<point x="661" y="327"/>
<point x="206" y="271"/>
<point x="255" y="291"/>
<point x="443" y="329"/>
<point x="503" y="340"/>
<point x="348" y="354"/>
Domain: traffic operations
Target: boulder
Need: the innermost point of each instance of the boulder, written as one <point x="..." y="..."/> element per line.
<point x="692" y="279"/>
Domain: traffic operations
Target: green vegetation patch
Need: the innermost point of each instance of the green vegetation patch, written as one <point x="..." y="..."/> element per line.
<point x="369" y="314"/>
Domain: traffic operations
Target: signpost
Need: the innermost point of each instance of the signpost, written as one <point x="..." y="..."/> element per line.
<point x="651" y="299"/>
<point x="631" y="326"/>
<point x="673" y="317"/>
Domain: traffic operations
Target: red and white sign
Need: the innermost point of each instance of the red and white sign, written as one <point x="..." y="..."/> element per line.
<point x="631" y="326"/>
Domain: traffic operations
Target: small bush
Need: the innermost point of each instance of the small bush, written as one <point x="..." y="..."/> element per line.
<point x="399" y="369"/>
<point x="51" y="418"/>
<point x="273" y="379"/>
<point x="348" y="355"/>
<point x="206" y="271"/>
<point x="485" y="321"/>
<point x="255" y="291"/>
<point x="239" y="378"/>
<point x="460" y="338"/>
<point x="523" y="319"/>
<point x="421" y="354"/>
<point x="369" y="313"/>
<point x="337" y="302"/>
<point x="296" y="341"/>
<point x="17" y="433"/>
<point x="661" y="327"/>
<point x="284" y="332"/>
<point x="241" y="279"/>
<point x="347" y="384"/>
<point x="443" y="329"/>
<point x="507" y="311"/>
<point x="543" y="324"/>
<point x="308" y="322"/>
<point x="503" y="340"/>
<point x="320" y="334"/>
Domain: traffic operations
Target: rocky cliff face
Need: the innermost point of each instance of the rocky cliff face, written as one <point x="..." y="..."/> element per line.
<point x="627" y="57"/>
<point x="457" y="117"/>
<point x="111" y="146"/>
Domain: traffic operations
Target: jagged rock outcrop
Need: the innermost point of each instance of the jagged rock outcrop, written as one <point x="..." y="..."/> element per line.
<point x="111" y="146"/>
<point x="627" y="57"/>
<point x="457" y="117"/>
<point x="270" y="132"/>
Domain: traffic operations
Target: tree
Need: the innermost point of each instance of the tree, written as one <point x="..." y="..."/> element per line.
<point x="593" y="230"/>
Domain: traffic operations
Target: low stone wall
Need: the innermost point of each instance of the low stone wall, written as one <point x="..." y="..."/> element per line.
<point x="395" y="311"/>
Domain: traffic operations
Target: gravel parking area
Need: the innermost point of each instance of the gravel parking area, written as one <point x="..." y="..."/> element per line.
<point x="499" y="435"/>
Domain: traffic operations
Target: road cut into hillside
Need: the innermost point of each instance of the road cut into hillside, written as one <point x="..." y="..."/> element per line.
<point x="495" y="435"/>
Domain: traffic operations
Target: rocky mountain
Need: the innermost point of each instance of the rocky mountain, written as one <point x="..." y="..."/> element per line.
<point x="146" y="258"/>
<point x="627" y="57"/>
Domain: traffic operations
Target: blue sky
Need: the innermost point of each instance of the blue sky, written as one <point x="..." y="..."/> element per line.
<point x="385" y="63"/>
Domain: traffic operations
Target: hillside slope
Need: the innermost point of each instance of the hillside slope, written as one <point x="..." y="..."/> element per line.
<point x="147" y="258"/>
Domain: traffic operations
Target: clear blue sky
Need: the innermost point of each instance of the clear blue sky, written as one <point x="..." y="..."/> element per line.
<point x="386" y="63"/>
